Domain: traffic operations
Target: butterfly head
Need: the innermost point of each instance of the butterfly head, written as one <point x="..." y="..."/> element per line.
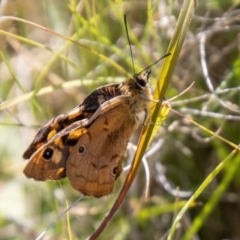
<point x="142" y="78"/>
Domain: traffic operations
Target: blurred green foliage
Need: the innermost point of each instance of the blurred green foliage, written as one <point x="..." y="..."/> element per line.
<point x="188" y="154"/>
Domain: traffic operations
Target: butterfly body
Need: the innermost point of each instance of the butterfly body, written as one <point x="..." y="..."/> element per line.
<point x="87" y="144"/>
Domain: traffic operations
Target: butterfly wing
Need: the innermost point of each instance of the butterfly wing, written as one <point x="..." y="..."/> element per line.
<point x="49" y="162"/>
<point x="50" y="148"/>
<point x="84" y="111"/>
<point x="96" y="160"/>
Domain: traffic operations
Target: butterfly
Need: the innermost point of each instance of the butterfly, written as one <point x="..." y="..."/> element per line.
<point x="87" y="144"/>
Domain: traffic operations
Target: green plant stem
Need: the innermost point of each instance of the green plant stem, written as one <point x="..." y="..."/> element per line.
<point x="231" y="169"/>
<point x="199" y="191"/>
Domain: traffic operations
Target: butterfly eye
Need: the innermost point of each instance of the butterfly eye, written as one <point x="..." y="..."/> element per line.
<point x="47" y="155"/>
<point x="82" y="149"/>
<point x="142" y="78"/>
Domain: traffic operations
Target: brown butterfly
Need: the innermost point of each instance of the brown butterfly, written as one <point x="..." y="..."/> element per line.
<point x="87" y="144"/>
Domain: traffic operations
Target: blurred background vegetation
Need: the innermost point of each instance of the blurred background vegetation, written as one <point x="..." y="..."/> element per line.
<point x="184" y="155"/>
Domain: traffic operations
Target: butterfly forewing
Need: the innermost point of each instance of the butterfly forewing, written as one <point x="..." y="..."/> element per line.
<point x="84" y="111"/>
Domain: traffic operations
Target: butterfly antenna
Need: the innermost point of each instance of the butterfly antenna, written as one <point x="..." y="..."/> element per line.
<point x="166" y="55"/>
<point x="129" y="43"/>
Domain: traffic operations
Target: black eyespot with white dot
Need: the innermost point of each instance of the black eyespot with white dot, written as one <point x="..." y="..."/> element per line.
<point x="47" y="154"/>
<point x="115" y="171"/>
<point x="82" y="149"/>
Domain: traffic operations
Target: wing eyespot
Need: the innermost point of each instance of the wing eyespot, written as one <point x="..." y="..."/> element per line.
<point x="82" y="149"/>
<point x="47" y="154"/>
<point x="115" y="171"/>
